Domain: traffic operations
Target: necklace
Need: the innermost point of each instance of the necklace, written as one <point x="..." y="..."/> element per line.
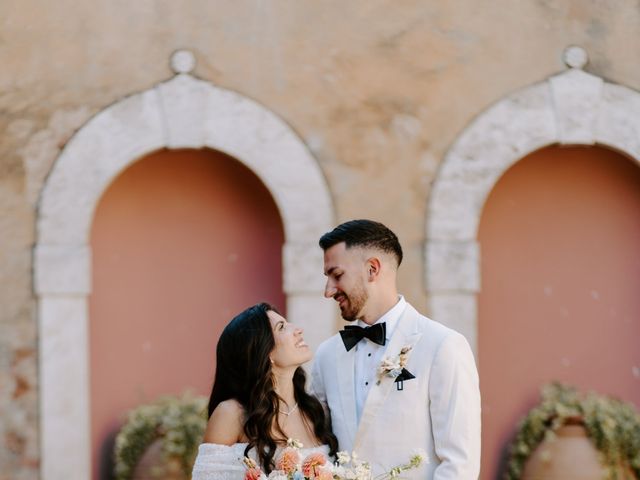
<point x="289" y="412"/>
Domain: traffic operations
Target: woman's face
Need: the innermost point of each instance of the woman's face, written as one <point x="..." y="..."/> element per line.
<point x="291" y="349"/>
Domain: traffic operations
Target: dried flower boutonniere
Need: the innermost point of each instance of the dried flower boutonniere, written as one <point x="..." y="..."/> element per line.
<point x="394" y="368"/>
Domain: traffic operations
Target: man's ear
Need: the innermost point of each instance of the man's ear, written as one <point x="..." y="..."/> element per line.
<point x="373" y="268"/>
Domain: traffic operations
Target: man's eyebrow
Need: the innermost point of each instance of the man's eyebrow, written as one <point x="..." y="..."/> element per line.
<point x="328" y="272"/>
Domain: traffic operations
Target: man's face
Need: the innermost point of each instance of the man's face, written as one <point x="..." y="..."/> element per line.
<point x="346" y="279"/>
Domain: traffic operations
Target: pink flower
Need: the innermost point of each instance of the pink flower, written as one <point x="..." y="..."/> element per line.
<point x="253" y="474"/>
<point x="288" y="460"/>
<point x="311" y="464"/>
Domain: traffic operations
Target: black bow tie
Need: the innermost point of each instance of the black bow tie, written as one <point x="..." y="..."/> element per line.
<point x="352" y="334"/>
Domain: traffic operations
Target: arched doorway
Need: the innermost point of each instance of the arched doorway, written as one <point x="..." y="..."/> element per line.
<point x="560" y="252"/>
<point x="181" y="241"/>
<point x="571" y="108"/>
<point x="183" y="112"/>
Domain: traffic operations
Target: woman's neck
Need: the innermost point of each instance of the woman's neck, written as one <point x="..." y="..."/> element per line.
<point x="291" y="420"/>
<point x="284" y="386"/>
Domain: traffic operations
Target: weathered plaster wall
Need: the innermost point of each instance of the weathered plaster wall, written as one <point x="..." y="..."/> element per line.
<point x="378" y="89"/>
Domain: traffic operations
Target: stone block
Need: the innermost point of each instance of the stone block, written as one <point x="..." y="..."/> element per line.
<point x="303" y="268"/>
<point x="457" y="311"/>
<point x="576" y="99"/>
<point x="184" y="100"/>
<point x="452" y="266"/>
<point x="618" y="122"/>
<point x="62" y="269"/>
<point x="64" y="392"/>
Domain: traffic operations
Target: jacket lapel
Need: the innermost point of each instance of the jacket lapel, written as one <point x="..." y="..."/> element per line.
<point x="405" y="334"/>
<point x="346" y="387"/>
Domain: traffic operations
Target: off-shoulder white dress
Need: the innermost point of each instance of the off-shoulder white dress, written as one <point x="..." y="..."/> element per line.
<point x="224" y="462"/>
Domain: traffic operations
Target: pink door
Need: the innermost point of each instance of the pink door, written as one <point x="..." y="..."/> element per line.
<point x="182" y="241"/>
<point x="560" y="299"/>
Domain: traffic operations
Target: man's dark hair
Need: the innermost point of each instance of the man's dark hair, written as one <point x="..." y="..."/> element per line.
<point x="363" y="233"/>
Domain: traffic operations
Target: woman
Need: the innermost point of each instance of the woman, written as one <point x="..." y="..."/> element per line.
<point x="258" y="399"/>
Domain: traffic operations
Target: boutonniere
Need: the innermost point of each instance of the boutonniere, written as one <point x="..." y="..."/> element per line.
<point x="394" y="367"/>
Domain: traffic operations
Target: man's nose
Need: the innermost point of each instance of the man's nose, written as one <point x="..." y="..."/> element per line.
<point x="329" y="290"/>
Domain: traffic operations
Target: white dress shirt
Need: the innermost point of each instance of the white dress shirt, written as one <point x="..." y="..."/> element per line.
<point x="369" y="355"/>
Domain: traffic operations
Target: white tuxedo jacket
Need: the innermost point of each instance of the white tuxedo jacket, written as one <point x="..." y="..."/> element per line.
<point x="438" y="411"/>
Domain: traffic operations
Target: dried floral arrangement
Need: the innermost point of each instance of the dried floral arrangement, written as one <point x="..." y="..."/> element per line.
<point x="612" y="425"/>
<point x="179" y="422"/>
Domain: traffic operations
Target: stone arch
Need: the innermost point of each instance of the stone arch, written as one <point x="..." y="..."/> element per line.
<point x="572" y="108"/>
<point x="183" y="112"/>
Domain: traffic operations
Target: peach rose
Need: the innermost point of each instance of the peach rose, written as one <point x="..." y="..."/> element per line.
<point x="253" y="474"/>
<point x="311" y="464"/>
<point x="288" y="460"/>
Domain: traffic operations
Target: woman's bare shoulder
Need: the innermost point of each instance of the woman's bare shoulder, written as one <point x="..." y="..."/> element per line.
<point x="225" y="426"/>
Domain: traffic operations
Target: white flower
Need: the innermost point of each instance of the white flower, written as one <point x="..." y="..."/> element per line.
<point x="389" y="364"/>
<point x="363" y="471"/>
<point x="343" y="457"/>
<point x="419" y="456"/>
<point x="293" y="443"/>
<point x="349" y="474"/>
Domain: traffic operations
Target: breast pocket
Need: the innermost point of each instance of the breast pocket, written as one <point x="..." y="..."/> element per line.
<point x="404" y="387"/>
<point x="406" y="397"/>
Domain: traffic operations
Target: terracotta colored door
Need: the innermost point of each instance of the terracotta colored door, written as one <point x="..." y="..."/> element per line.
<point x="560" y="299"/>
<point x="182" y="241"/>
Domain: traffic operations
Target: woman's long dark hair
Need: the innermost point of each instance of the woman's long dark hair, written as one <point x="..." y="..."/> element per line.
<point x="243" y="372"/>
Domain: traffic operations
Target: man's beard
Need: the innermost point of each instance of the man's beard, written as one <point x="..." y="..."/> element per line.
<point x="354" y="304"/>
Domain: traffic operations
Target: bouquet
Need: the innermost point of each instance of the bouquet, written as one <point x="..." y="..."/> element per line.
<point x="291" y="466"/>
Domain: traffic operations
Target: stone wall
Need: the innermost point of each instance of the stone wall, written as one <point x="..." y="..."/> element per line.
<point x="378" y="90"/>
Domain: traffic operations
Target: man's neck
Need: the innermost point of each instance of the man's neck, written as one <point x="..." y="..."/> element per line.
<point x="376" y="309"/>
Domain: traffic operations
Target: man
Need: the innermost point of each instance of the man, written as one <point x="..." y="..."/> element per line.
<point x="424" y="397"/>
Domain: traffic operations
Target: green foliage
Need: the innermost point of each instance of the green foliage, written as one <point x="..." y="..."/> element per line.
<point x="180" y="423"/>
<point x="612" y="425"/>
